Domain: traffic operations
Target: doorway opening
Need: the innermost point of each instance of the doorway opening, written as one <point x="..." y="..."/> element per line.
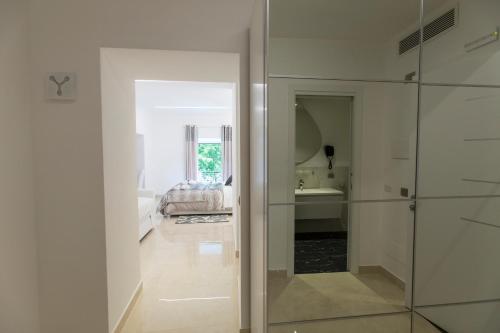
<point x="171" y="148"/>
<point x="322" y="170"/>
<point x="327" y="204"/>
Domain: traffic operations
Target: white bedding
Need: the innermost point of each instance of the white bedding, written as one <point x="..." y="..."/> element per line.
<point x="228" y="197"/>
<point x="197" y="198"/>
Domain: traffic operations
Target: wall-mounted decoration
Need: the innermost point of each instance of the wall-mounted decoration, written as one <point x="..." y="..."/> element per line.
<point x="61" y="86"/>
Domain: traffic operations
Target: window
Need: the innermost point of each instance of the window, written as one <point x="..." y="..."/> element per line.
<point x="209" y="162"/>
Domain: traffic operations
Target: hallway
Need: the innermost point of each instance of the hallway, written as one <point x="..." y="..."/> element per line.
<point x="189" y="277"/>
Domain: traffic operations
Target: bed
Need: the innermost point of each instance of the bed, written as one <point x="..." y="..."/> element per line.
<point x="197" y="199"/>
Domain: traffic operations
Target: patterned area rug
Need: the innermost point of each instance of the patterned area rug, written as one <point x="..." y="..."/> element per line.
<point x="320" y="253"/>
<point x="192" y="219"/>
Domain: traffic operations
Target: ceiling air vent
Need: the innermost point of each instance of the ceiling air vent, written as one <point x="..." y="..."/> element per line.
<point x="431" y="30"/>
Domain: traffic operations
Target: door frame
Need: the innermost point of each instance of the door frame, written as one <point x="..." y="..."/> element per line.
<point x="311" y="88"/>
<point x="125" y="66"/>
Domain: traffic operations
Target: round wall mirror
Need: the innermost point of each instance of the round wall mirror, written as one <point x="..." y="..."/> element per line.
<point x="307" y="135"/>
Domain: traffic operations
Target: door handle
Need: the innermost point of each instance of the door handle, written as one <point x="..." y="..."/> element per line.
<point x="413" y="205"/>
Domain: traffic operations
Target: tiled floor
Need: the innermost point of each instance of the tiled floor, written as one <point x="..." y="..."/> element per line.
<point x="327" y="302"/>
<point x="394" y="323"/>
<point x="190" y="280"/>
<point x="331" y="295"/>
<point x="190" y="285"/>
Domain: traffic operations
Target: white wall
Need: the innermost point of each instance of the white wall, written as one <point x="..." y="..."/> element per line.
<point x="120" y="187"/>
<point x="399" y="153"/>
<point x="316" y="57"/>
<point x="165" y="144"/>
<point x="69" y="172"/>
<point x="18" y="260"/>
<point x="68" y="137"/>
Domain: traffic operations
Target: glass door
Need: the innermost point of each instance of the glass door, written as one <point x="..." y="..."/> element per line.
<point x="383" y="184"/>
<point x="342" y="117"/>
<point x="457" y="251"/>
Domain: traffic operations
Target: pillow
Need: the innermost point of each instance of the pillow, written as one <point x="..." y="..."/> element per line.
<point x="229" y="181"/>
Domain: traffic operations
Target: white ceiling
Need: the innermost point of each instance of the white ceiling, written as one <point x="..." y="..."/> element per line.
<point x="370" y="20"/>
<point x="170" y="96"/>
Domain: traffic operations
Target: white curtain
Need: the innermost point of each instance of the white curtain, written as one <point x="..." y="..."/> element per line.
<point x="191" y="152"/>
<point x="227" y="152"/>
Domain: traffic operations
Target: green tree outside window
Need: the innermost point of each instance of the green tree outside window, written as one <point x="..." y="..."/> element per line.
<point x="210" y="162"/>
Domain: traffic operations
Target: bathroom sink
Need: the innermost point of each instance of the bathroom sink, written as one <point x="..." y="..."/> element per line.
<point x="322" y="191"/>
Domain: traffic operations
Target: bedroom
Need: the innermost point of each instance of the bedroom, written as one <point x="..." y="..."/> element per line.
<point x="185" y="150"/>
<point x="185" y="159"/>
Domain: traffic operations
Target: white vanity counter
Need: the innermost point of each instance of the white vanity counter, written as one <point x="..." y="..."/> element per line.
<point x="318" y="211"/>
<point x="322" y="191"/>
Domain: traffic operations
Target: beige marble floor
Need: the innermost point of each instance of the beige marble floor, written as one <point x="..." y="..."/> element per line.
<point x="394" y="323"/>
<point x="331" y="295"/>
<point x="189" y="274"/>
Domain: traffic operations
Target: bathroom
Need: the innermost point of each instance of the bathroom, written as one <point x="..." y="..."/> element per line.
<point x="323" y="162"/>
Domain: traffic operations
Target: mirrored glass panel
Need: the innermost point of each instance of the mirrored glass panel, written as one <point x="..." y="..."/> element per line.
<point x="354" y="140"/>
<point x="421" y="325"/>
<point x="458" y="318"/>
<point x="457" y="247"/>
<point x="394" y="323"/>
<point x="329" y="259"/>
<point x="461" y="42"/>
<point x="355" y="39"/>
<point x="459" y="141"/>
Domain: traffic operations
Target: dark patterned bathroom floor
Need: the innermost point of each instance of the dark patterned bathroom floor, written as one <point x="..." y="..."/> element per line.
<point x="324" y="252"/>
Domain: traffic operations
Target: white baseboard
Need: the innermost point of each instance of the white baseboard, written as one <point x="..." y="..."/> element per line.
<point x="126" y="312"/>
<point x="277" y="273"/>
<point x="382" y="270"/>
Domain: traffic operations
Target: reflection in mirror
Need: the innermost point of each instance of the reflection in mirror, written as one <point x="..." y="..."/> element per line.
<point x="331" y="256"/>
<point x="307" y="135"/>
<point x="461" y="42"/>
<point x="457" y="235"/>
<point x="321" y="232"/>
<point x="422" y="325"/>
<point x="320" y="268"/>
<point x="374" y="138"/>
<point x="460" y="135"/>
<point x="355" y="39"/>
<point x="458" y="318"/>
<point x="394" y="323"/>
